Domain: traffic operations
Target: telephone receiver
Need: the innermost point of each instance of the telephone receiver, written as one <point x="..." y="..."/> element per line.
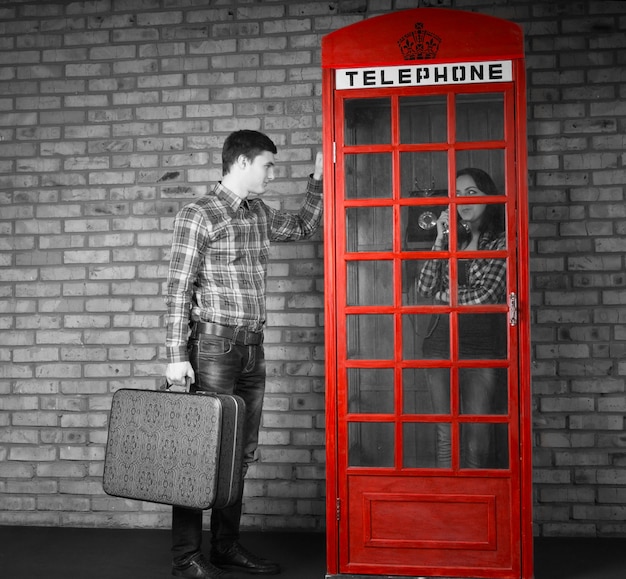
<point x="428" y="220"/>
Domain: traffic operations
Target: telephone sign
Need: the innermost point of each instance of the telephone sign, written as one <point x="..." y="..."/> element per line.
<point x="424" y="75"/>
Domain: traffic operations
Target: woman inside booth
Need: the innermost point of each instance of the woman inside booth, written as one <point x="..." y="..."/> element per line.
<point x="482" y="336"/>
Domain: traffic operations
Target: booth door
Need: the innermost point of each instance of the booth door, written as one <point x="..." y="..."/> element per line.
<point x="429" y="450"/>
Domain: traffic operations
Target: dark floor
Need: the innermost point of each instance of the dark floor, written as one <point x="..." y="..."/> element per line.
<point x="62" y="553"/>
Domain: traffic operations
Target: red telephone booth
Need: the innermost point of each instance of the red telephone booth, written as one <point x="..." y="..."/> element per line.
<point x="427" y="333"/>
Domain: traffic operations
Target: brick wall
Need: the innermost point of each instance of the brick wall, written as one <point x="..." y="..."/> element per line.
<point x="577" y="168"/>
<point x="112" y="115"/>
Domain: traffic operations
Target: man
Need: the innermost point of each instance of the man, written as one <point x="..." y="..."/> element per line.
<point x="216" y="313"/>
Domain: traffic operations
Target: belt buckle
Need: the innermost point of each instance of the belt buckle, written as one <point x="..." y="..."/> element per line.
<point x="237" y="330"/>
<point x="245" y="337"/>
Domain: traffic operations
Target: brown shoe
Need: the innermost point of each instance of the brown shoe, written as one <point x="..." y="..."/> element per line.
<point x="238" y="558"/>
<point x="199" y="568"/>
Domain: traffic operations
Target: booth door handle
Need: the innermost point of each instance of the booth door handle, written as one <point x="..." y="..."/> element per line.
<point x="513" y="309"/>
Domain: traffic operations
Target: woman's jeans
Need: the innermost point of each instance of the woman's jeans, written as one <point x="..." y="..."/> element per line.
<point x="223" y="367"/>
<point x="476" y="396"/>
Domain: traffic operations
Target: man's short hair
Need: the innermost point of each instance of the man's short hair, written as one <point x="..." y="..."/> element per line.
<point x="247" y="143"/>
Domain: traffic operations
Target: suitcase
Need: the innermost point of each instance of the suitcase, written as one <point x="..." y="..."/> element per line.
<point x="175" y="448"/>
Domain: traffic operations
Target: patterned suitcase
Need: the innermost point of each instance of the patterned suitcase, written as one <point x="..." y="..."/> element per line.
<point x="175" y="448"/>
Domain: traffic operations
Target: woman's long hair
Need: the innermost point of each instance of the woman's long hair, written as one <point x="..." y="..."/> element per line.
<point x="493" y="220"/>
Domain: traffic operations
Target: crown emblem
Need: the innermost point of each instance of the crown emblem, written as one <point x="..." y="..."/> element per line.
<point x="419" y="44"/>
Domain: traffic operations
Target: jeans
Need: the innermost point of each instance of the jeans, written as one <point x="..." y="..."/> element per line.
<point x="477" y="391"/>
<point x="223" y="367"/>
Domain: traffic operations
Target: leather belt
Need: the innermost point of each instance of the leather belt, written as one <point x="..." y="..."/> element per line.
<point x="239" y="335"/>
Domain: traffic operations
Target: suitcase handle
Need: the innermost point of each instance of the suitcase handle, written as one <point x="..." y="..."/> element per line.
<point x="168" y="387"/>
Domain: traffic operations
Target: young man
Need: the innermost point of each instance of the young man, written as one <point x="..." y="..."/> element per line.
<point x="216" y="313"/>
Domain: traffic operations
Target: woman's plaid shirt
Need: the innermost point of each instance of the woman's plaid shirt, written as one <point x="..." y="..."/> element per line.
<point x="218" y="262"/>
<point x="486" y="283"/>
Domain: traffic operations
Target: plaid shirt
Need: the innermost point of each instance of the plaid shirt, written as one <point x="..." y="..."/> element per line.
<point x="486" y="283"/>
<point x="218" y="263"/>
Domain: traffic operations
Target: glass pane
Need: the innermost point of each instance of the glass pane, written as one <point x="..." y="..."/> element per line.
<point x="370" y="444"/>
<point x="420" y="444"/>
<point x="367" y="121"/>
<point x="483" y="391"/>
<point x="418" y="385"/>
<point x="484" y="445"/>
<point x="369" y="336"/>
<point x="369" y="229"/>
<point x="424" y="174"/>
<point x="415" y="330"/>
<point x="438" y="383"/>
<point x="434" y="281"/>
<point x="370" y="283"/>
<point x="368" y="176"/>
<point x="419" y="224"/>
<point x="481" y="281"/>
<point x="480" y="117"/>
<point x="483" y="336"/>
<point x="421" y="228"/>
<point x="470" y="236"/>
<point x="436" y="343"/>
<point x="411" y="269"/>
<point x="423" y="119"/>
<point x="370" y="390"/>
<point x="489" y="161"/>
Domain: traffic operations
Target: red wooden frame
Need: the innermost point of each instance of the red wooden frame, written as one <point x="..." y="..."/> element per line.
<point x="458" y="37"/>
